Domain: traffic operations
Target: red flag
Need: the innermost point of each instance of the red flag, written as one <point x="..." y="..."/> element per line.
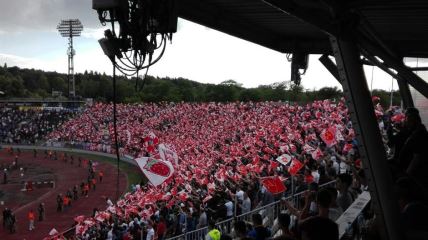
<point x="295" y="166"/>
<point x="398" y="118"/>
<point x="329" y="136"/>
<point x="308" y="149"/>
<point x="347" y="147"/>
<point x="309" y="178"/>
<point x="273" y="184"/>
<point x="273" y="164"/>
<point x="317" y="154"/>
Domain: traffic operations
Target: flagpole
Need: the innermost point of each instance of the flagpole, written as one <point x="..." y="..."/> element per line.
<point x="235" y="199"/>
<point x="392" y="90"/>
<point x="292" y="187"/>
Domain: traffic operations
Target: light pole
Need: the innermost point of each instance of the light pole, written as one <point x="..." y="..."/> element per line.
<point x="70" y="28"/>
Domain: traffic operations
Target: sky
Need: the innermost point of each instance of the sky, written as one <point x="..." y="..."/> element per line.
<point x="29" y="39"/>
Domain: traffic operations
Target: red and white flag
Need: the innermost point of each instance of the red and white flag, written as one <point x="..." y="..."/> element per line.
<point x="295" y="167"/>
<point x="157" y="171"/>
<point x="166" y="153"/>
<point x="284" y="159"/>
<point x="329" y="136"/>
<point x="308" y="149"/>
<point x="273" y="184"/>
<point x="317" y="154"/>
<point x="347" y="147"/>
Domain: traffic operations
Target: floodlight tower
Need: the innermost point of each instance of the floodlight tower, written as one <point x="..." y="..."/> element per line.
<point x="70" y="28"/>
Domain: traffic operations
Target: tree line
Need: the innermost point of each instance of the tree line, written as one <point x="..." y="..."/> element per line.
<point x="30" y="83"/>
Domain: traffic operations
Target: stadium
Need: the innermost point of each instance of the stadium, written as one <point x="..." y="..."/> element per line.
<point x="89" y="155"/>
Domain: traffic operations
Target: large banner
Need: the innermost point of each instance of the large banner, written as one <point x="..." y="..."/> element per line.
<point x="157" y="171"/>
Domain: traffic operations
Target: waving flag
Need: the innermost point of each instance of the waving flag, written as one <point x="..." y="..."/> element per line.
<point x="347" y="147"/>
<point x="167" y="154"/>
<point x="284" y="159"/>
<point x="317" y="154"/>
<point x="295" y="167"/>
<point x="308" y="149"/>
<point x="273" y="184"/>
<point x="157" y="171"/>
<point x="398" y="118"/>
<point x="329" y="136"/>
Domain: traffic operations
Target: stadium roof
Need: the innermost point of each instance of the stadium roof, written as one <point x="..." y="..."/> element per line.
<point x="401" y="24"/>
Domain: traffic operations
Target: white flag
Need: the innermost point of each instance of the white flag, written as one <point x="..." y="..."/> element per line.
<point x="284" y="159"/>
<point x="167" y="154"/>
<point x="157" y="171"/>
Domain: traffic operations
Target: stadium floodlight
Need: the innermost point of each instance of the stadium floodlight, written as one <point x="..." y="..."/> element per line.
<point x="70" y="28"/>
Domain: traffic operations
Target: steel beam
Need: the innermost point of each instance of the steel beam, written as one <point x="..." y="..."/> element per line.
<point x="370" y="143"/>
<point x="405" y="94"/>
<point x="330" y="66"/>
<point x="410" y="77"/>
<point x="419" y="68"/>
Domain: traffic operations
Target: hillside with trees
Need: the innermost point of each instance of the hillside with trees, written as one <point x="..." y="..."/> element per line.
<point x="30" y="83"/>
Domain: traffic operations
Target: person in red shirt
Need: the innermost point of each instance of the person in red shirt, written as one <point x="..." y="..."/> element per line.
<point x="161" y="228"/>
<point x="66" y="202"/>
<point x="31" y="217"/>
<point x="94" y="182"/>
<point x="101" y="175"/>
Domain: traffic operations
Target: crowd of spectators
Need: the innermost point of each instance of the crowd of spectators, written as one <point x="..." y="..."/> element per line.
<point x="29" y="126"/>
<point x="223" y="149"/>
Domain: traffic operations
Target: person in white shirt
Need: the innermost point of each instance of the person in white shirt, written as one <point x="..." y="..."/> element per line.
<point x="203" y="220"/>
<point x="150" y="231"/>
<point x="335" y="164"/>
<point x="110" y="233"/>
<point x="246" y="204"/>
<point x="229" y="207"/>
<point x="239" y="194"/>
<point x="315" y="175"/>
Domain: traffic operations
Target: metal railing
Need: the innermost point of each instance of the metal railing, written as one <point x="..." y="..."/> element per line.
<point x="269" y="213"/>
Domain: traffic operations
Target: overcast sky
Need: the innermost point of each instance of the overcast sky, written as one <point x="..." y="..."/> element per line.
<point x="28" y="38"/>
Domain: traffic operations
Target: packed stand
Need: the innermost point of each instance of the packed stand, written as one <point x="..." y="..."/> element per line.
<point x="30" y="125"/>
<point x="223" y="150"/>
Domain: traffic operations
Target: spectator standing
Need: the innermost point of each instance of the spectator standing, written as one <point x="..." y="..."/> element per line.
<point x="259" y="231"/>
<point x="59" y="205"/>
<point x="5" y="176"/>
<point x="150" y="231"/>
<point x="41" y="211"/>
<point x="246" y="204"/>
<point x="100" y="176"/>
<point x="319" y="228"/>
<point x="345" y="197"/>
<point x="213" y="233"/>
<point x="31" y="217"/>
<point x="284" y="224"/>
<point x="161" y="228"/>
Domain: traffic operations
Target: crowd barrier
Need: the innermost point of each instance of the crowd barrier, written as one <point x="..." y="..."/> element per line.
<point x="268" y="212"/>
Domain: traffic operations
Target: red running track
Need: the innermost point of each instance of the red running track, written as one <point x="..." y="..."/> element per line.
<point x="66" y="176"/>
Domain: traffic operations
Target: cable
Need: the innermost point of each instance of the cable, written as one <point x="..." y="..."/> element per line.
<point x="116" y="143"/>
